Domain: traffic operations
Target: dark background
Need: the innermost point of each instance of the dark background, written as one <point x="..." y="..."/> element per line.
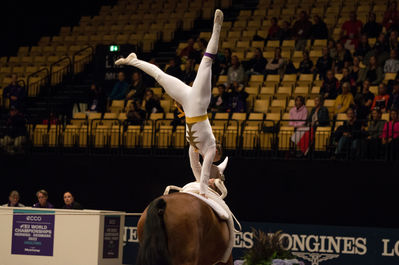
<point x="284" y="191"/>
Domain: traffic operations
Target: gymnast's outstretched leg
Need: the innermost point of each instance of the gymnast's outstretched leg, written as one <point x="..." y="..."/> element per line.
<point x="173" y="86"/>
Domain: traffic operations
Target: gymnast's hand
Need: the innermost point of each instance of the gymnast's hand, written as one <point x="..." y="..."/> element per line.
<point x="128" y="60"/>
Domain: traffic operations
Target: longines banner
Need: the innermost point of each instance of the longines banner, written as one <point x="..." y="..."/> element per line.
<point x="312" y="244"/>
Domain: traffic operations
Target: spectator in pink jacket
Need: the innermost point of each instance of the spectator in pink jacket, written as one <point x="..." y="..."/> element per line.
<point x="299" y="113"/>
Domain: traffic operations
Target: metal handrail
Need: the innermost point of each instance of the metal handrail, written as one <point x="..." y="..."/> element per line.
<point x="36" y="73"/>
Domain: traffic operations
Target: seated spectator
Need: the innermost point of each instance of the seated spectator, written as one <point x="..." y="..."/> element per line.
<point x="42" y="197"/>
<point x="148" y="80"/>
<point x="364" y="101"/>
<point x="151" y="103"/>
<point x="324" y="63"/>
<point x="13" y="200"/>
<point x="274" y="30"/>
<point x="257" y="64"/>
<point x="188" y="51"/>
<point x="381" y="100"/>
<point x="374" y="132"/>
<point x="350" y="135"/>
<point x="393" y="102"/>
<point x="372" y="72"/>
<point x="344" y="100"/>
<point x="381" y="48"/>
<point x="319" y="114"/>
<point x="219" y="102"/>
<point x="302" y="31"/>
<point x="237" y="99"/>
<point x="235" y="73"/>
<point x="343" y="57"/>
<point x="285" y="32"/>
<point x="332" y="48"/>
<point x="96" y="100"/>
<point x="137" y="87"/>
<point x="200" y="48"/>
<point x="306" y="65"/>
<point x="350" y="31"/>
<point x="224" y="61"/>
<point x="173" y="68"/>
<point x="330" y="86"/>
<point x="354" y="69"/>
<point x="189" y="74"/>
<point x="276" y="65"/>
<point x="14" y="93"/>
<point x="347" y="78"/>
<point x="70" y="203"/>
<point x="372" y="29"/>
<point x="363" y="48"/>
<point x="15" y="132"/>
<point x="391" y="17"/>
<point x="392" y="64"/>
<point x="393" y="43"/>
<point x="120" y="88"/>
<point x="319" y="30"/>
<point x="390" y="134"/>
<point x="298" y="113"/>
<point x="134" y="114"/>
<point x="178" y="116"/>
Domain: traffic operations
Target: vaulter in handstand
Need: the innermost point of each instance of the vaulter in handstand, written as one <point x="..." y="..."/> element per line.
<point x="195" y="101"/>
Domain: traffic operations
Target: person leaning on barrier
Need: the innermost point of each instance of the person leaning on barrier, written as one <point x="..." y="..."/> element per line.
<point x="70" y="203"/>
<point x="13" y="200"/>
<point x="42" y="197"/>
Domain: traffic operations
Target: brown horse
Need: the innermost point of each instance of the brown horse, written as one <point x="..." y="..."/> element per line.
<point x="180" y="229"/>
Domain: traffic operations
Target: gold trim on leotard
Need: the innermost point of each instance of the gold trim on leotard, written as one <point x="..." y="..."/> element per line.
<point x="192" y="120"/>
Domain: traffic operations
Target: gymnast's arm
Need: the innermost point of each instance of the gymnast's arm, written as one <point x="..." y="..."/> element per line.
<point x="195" y="163"/>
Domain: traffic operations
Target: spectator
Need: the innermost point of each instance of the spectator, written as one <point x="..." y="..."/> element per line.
<point x="70" y="203"/>
<point x="188" y="51"/>
<point x="276" y="65"/>
<point x="319" y="114"/>
<point x="15" y="132"/>
<point x="302" y="31"/>
<point x="52" y="119"/>
<point x="332" y="48"/>
<point x="363" y="48"/>
<point x="13" y="200"/>
<point x="147" y="79"/>
<point x="42" y="197"/>
<point x="390" y="134"/>
<point x="235" y="73"/>
<point x="364" y="101"/>
<point x="319" y="30"/>
<point x="189" y="74"/>
<point x="372" y="72"/>
<point x="274" y="29"/>
<point x="324" y="64"/>
<point x="237" y="99"/>
<point x="350" y="31"/>
<point x="350" y="135"/>
<point x="151" y="103"/>
<point x="285" y="32"/>
<point x="96" y="101"/>
<point x="393" y="43"/>
<point x="137" y="87"/>
<point x="346" y="77"/>
<point x="355" y="69"/>
<point x="392" y="64"/>
<point x="298" y="113"/>
<point x="178" y="117"/>
<point x="14" y="93"/>
<point x="381" y="100"/>
<point x="200" y="49"/>
<point x="224" y="61"/>
<point x="381" y="48"/>
<point x="393" y="102"/>
<point x="391" y="17"/>
<point x="219" y="102"/>
<point x="120" y="88"/>
<point x="257" y="64"/>
<point x="173" y="68"/>
<point x="343" y="57"/>
<point x="374" y="132"/>
<point x="372" y="29"/>
<point x="134" y="114"/>
<point x="306" y="65"/>
<point x="344" y="100"/>
<point x="330" y="86"/>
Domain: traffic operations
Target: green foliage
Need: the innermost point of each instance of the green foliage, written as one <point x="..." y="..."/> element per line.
<point x="266" y="248"/>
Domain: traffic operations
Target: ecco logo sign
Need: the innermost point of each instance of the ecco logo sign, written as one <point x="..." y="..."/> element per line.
<point x="34" y="218"/>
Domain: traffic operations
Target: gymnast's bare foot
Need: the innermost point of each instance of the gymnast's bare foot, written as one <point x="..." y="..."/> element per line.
<point x="128" y="60"/>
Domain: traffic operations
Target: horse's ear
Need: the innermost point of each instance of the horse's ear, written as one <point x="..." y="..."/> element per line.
<point x="222" y="166"/>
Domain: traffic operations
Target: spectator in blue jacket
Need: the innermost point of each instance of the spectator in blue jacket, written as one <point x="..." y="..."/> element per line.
<point x="120" y="88"/>
<point x="14" y="92"/>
